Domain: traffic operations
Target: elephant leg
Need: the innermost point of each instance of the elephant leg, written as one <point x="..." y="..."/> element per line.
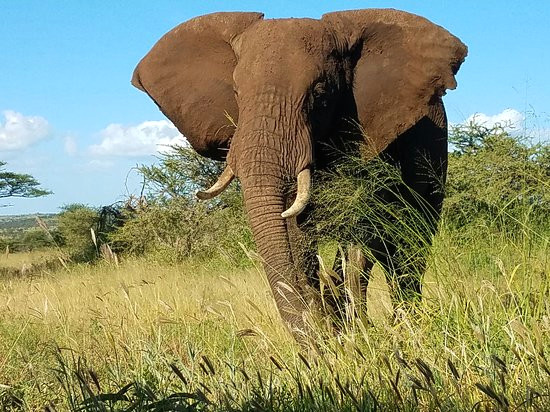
<point x="356" y="279"/>
<point x="334" y="295"/>
<point x="403" y="267"/>
<point x="401" y="263"/>
<point x="350" y="281"/>
<point x="421" y="156"/>
<point x="303" y="246"/>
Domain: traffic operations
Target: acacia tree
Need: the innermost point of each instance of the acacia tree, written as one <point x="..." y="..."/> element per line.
<point x="19" y="185"/>
<point x="497" y="177"/>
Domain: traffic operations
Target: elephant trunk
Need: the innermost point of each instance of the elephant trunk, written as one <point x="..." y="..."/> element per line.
<point x="263" y="185"/>
<point x="271" y="147"/>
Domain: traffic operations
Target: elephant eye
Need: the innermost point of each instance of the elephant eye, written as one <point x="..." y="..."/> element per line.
<point x="319" y="90"/>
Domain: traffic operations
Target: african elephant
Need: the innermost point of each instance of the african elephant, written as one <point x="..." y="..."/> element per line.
<point x="295" y="87"/>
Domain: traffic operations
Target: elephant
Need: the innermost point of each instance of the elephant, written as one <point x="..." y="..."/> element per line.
<point x="298" y="91"/>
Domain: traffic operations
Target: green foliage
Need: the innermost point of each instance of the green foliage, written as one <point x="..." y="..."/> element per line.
<point x="75" y="223"/>
<point x="176" y="229"/>
<point x="37" y="238"/>
<point x="360" y="195"/>
<point x="19" y="185"/>
<point x="24" y="234"/>
<point x="180" y="173"/>
<point x="172" y="225"/>
<point x="496" y="179"/>
<point x="365" y="203"/>
<point x="15" y="223"/>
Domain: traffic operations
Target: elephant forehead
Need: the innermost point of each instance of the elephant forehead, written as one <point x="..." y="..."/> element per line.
<point x="286" y="48"/>
<point x="307" y="35"/>
<point x="311" y="34"/>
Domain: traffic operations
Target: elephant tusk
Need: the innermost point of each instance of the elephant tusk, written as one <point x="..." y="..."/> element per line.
<point x="302" y="195"/>
<point x="223" y="181"/>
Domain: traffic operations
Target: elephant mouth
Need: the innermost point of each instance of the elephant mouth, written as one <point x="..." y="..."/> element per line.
<point x="303" y="191"/>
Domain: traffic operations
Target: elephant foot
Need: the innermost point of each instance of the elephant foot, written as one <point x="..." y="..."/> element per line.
<point x="310" y="324"/>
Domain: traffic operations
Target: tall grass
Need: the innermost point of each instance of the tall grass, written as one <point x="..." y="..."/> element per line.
<point x="20" y="259"/>
<point x="154" y="336"/>
<point x="206" y="336"/>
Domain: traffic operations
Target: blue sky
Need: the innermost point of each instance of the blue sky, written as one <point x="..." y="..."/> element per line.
<point x="69" y="116"/>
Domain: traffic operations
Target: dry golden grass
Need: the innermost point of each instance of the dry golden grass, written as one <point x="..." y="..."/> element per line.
<point x="481" y="336"/>
<point x="20" y="259"/>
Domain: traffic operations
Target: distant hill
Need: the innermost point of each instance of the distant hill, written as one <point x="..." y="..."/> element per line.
<point x="18" y="223"/>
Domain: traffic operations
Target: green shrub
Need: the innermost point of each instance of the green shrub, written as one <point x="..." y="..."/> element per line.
<point x="30" y="239"/>
<point x="8" y="243"/>
<point x="174" y="230"/>
<point x="169" y="224"/>
<point x="36" y="238"/>
<point x="75" y="223"/>
<point x="496" y="179"/>
<point x="179" y="174"/>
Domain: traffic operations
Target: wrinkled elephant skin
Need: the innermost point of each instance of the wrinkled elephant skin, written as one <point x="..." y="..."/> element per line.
<point x="295" y="87"/>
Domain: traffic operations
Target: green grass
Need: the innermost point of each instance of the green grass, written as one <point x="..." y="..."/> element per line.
<point x="208" y="337"/>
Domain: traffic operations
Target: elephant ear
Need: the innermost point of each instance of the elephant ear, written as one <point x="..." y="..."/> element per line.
<point x="189" y="75"/>
<point x="404" y="65"/>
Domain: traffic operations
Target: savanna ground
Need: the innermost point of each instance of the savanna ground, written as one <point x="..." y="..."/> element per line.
<point x="169" y="328"/>
<point x="169" y="337"/>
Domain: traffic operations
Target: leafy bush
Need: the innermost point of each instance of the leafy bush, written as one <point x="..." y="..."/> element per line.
<point x="30" y="239"/>
<point x="174" y="230"/>
<point x="169" y="224"/>
<point x="36" y="238"/>
<point x="74" y="223"/>
<point x="180" y="173"/>
<point x="496" y="178"/>
<point x="8" y="243"/>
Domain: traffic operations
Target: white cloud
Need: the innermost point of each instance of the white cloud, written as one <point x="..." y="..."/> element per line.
<point x="70" y="145"/>
<point x="510" y="119"/>
<point x="96" y="165"/>
<point x="19" y="131"/>
<point x="143" y="139"/>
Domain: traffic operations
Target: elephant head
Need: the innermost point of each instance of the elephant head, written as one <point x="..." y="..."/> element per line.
<point x="293" y="86"/>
